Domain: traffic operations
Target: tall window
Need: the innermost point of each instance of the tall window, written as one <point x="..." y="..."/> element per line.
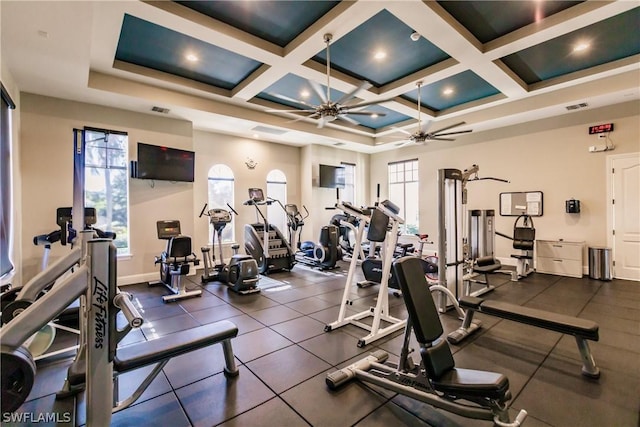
<point x="107" y="182"/>
<point x="221" y="191"/>
<point x="403" y="191"/>
<point x="349" y="192"/>
<point x="5" y="183"/>
<point x="277" y="189"/>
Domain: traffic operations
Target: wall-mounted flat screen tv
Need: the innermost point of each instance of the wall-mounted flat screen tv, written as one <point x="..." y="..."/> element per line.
<point x="164" y="163"/>
<point x="331" y="176"/>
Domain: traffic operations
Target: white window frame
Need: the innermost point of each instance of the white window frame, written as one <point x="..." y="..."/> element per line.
<point x="405" y="172"/>
<point x="275" y="214"/>
<point x="349" y="192"/>
<point x="222" y="173"/>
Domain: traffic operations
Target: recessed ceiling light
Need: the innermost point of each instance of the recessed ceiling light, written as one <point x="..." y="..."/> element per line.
<point x="191" y="57"/>
<point x="255" y="135"/>
<point x="304" y="93"/>
<point x="581" y="47"/>
<point x="447" y="91"/>
<point x="374" y="116"/>
<point x="380" y="55"/>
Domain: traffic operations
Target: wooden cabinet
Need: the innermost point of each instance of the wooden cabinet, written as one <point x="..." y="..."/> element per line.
<point x="559" y="257"/>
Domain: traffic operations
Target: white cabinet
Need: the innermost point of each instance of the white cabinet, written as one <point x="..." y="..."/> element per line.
<point x="559" y="257"/>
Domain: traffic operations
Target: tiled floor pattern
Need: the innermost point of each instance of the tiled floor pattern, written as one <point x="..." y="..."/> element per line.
<point x="284" y="355"/>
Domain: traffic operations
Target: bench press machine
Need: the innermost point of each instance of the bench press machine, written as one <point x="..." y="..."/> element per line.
<point x="98" y="362"/>
<point x="436" y="381"/>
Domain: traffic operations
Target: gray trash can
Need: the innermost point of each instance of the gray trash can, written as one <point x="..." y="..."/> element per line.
<point x="600" y="263"/>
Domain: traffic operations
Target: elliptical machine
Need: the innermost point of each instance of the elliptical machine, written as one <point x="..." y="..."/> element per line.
<point x="323" y="255"/>
<point x="241" y="274"/>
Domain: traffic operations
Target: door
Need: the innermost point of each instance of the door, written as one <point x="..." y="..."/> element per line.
<point x="625" y="179"/>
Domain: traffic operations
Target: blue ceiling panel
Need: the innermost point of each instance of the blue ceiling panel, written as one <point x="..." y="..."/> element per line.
<point x="488" y="20"/>
<point x="289" y="89"/>
<point x="152" y="46"/>
<point x="276" y="21"/>
<point x="353" y="54"/>
<point x="609" y="40"/>
<point x="466" y="86"/>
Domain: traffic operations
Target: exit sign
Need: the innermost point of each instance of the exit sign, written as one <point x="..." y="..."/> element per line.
<point x="607" y="127"/>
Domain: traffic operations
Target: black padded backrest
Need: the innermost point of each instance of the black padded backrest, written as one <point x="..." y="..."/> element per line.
<point x="377" y="226"/>
<point x="179" y="246"/>
<point x="422" y="310"/>
<point x="523" y="238"/>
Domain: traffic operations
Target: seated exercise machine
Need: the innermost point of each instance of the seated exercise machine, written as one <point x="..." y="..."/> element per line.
<point x="386" y="212"/>
<point x="175" y="261"/>
<point x="324" y="254"/>
<point x="263" y="241"/>
<point x="523" y="239"/>
<point x="241" y="274"/>
<point x="581" y="329"/>
<point x="436" y="380"/>
<point x="99" y="362"/>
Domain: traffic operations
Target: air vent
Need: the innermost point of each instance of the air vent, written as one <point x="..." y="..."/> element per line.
<point x="577" y="106"/>
<point x="339" y="144"/>
<point x="160" y="110"/>
<point x="272" y="131"/>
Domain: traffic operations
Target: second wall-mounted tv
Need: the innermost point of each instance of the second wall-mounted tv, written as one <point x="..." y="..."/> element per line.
<point x="164" y="163"/>
<point x="331" y="176"/>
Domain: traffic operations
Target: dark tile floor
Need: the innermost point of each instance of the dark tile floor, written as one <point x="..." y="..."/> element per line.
<point x="284" y="355"/>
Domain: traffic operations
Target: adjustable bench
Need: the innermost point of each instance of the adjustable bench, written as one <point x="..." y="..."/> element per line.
<point x="159" y="351"/>
<point x="436" y="380"/>
<point x="581" y="329"/>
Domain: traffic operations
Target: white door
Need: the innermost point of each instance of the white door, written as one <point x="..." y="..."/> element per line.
<point x="625" y="172"/>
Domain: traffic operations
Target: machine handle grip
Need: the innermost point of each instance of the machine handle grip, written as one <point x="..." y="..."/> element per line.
<point x="123" y="301"/>
<point x="306" y="211"/>
<point x="202" y="211"/>
<point x="232" y="210"/>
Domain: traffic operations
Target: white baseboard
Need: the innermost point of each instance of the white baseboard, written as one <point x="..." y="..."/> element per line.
<point x="138" y="278"/>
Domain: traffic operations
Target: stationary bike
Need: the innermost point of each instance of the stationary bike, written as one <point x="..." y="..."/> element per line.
<point x="241" y="274"/>
<point x="322" y="255"/>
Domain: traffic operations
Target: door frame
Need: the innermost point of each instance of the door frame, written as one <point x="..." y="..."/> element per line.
<point x="610" y="206"/>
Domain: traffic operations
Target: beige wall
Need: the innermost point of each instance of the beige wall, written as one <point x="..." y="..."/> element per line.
<point x="212" y="149"/>
<point x="550" y="156"/>
<point x="46" y="168"/>
<point x="318" y="199"/>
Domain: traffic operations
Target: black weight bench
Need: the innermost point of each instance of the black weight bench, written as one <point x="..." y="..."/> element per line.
<point x="159" y="351"/>
<point x="436" y="380"/>
<point x="581" y="329"/>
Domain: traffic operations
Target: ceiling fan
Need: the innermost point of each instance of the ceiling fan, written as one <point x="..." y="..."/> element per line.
<point x="421" y="135"/>
<point x="328" y="110"/>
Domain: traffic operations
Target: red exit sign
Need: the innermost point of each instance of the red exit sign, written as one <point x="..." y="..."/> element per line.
<point x="607" y="127"/>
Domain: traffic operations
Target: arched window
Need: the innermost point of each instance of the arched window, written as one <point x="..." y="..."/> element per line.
<point x="221" y="184"/>
<point x="277" y="189"/>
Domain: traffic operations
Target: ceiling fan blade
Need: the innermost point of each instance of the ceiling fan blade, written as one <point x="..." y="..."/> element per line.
<point x="449" y="127"/>
<point x="288" y="99"/>
<point x="451" y="133"/>
<point x="365" y="104"/>
<point x="302" y="118"/>
<point x="441" y="139"/>
<point x="348" y="120"/>
<point x="318" y="90"/>
<point x="290" y="111"/>
<point x="363" y="86"/>
<point x="363" y="113"/>
<point x="401" y="130"/>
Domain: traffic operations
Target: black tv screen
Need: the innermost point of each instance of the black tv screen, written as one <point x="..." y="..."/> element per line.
<point x="164" y="163"/>
<point x="331" y="176"/>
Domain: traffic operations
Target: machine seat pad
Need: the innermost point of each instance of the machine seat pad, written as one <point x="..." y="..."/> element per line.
<point x="487" y="268"/>
<point x="516" y="256"/>
<point x="570" y="325"/>
<point x="469" y="383"/>
<point x="147" y="352"/>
